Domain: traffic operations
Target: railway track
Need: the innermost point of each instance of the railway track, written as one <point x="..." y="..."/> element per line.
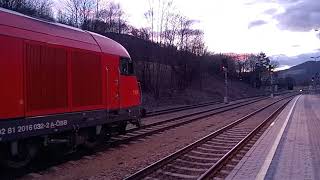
<point x="181" y="108"/>
<point x="214" y="155"/>
<point x="150" y="129"/>
<point x="187" y="107"/>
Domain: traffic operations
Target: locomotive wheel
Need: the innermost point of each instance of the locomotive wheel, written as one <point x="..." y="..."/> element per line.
<point x="91" y="143"/>
<point x="138" y="122"/>
<point x="122" y="127"/>
<point x="143" y="112"/>
<point x="26" y="153"/>
<point x="93" y="139"/>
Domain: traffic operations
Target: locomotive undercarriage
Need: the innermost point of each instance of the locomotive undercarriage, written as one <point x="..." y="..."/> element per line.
<point x="20" y="151"/>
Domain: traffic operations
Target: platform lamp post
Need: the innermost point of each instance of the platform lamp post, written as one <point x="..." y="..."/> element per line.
<point x="271" y="81"/>
<point x="225" y="99"/>
<point x="225" y="70"/>
<point x="313" y="84"/>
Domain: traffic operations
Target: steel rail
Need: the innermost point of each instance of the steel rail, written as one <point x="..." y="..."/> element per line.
<point x="193" y="106"/>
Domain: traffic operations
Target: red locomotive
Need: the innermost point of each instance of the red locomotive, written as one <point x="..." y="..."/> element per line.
<point x="60" y="85"/>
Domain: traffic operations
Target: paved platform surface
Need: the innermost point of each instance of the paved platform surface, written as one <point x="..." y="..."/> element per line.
<point x="290" y="147"/>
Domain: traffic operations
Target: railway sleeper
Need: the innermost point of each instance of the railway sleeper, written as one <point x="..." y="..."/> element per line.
<point x="223" y="141"/>
<point x="234" y="161"/>
<point x="234" y="133"/>
<point x="178" y="171"/>
<point x="206" y="150"/>
<point x="174" y="175"/>
<point x="190" y="157"/>
<point x="217" y="147"/>
<point x="221" y="144"/>
<point x="209" y="153"/>
<point x="188" y="169"/>
<point x="223" y="173"/>
<point x="205" y="155"/>
<point x="192" y="164"/>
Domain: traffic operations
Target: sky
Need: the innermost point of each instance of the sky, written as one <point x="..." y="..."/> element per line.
<point x="283" y="29"/>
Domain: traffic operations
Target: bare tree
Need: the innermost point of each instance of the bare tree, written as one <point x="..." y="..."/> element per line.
<point x="97" y="8"/>
<point x="121" y="19"/>
<point x="86" y="12"/>
<point x="149" y="15"/>
<point x="158" y="16"/>
<point x="197" y="43"/>
<point x="171" y="29"/>
<point x="166" y="7"/>
<point x="142" y="33"/>
<point x="185" y="32"/>
<point x="72" y="8"/>
<point x="274" y="64"/>
<point x="43" y="7"/>
<point x="114" y="18"/>
<point x="77" y="12"/>
<point x="62" y="17"/>
<point x="35" y="8"/>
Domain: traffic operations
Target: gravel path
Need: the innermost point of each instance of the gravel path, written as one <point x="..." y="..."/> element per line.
<point x="119" y="162"/>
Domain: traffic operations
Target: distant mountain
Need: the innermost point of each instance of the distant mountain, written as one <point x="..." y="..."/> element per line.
<point x="301" y="73"/>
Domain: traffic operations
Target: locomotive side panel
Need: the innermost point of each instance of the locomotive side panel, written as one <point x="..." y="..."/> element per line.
<point x="46" y="79"/>
<point x="11" y="78"/>
<point x="86" y="79"/>
<point x="112" y="74"/>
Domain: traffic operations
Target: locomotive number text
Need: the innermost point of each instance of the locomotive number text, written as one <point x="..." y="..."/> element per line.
<point x="33" y="127"/>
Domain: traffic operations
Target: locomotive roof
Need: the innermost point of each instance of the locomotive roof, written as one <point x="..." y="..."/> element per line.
<point x="22" y="26"/>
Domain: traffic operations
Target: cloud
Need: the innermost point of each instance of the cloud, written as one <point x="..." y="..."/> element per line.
<point x="271" y="11"/>
<point x="282" y="67"/>
<point x="256" y="23"/>
<point x="299" y="15"/>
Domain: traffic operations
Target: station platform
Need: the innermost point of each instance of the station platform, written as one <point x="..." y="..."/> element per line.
<point x="289" y="148"/>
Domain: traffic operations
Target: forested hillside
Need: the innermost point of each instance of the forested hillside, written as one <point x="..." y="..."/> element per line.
<point x="303" y="74"/>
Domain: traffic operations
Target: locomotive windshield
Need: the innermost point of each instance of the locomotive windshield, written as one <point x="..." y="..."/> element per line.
<point x="126" y="66"/>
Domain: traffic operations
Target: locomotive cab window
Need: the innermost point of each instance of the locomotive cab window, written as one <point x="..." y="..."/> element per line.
<point x="126" y="66"/>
